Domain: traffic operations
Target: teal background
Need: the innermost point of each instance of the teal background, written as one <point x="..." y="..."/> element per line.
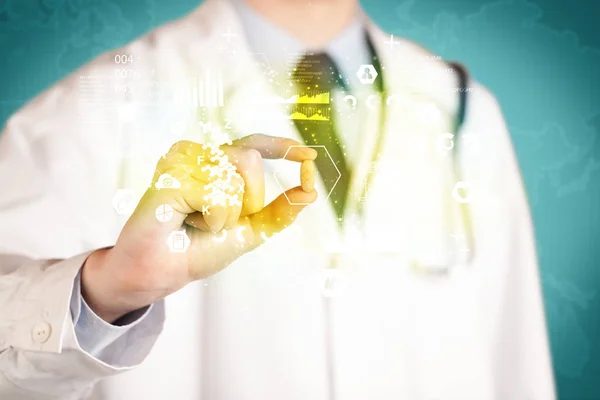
<point x="541" y="58"/>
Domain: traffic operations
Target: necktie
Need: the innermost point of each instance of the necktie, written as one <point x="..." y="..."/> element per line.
<point x="314" y="78"/>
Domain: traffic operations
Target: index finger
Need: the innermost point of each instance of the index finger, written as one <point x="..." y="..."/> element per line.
<point x="271" y="147"/>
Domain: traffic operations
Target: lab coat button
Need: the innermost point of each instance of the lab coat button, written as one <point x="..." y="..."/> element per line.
<point x="41" y="332"/>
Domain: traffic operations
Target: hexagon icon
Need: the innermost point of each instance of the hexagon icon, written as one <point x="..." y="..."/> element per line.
<point x="366" y="74"/>
<point x="178" y="241"/>
<point x="324" y="150"/>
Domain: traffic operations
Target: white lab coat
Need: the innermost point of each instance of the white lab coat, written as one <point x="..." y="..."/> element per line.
<point x="262" y="329"/>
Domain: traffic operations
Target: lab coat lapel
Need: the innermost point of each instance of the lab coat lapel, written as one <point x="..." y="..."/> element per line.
<point x="372" y="130"/>
<point x="420" y="107"/>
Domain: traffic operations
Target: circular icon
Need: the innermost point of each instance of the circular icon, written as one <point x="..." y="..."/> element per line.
<point x="164" y="213"/>
<point x="445" y="143"/>
<point x="220" y="237"/>
<point x="352" y="100"/>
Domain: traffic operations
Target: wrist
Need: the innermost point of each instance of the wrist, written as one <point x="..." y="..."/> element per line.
<point x="101" y="290"/>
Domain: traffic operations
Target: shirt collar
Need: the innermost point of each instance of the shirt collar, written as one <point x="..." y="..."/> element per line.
<point x="348" y="50"/>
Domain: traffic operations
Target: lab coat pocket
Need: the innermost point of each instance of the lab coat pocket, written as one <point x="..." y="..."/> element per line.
<point x="412" y="210"/>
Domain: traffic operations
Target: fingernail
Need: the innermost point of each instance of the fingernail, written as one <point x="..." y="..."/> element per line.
<point x="310" y="153"/>
<point x="302" y="198"/>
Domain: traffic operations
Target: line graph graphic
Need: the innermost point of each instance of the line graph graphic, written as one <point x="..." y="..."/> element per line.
<point x="307" y="112"/>
<point x="306" y="95"/>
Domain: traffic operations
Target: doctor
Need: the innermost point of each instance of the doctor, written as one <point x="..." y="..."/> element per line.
<point x="413" y="277"/>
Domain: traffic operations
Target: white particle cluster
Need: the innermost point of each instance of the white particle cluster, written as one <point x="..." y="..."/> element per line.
<point x="221" y="190"/>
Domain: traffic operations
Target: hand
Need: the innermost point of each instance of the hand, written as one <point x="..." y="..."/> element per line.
<point x="220" y="207"/>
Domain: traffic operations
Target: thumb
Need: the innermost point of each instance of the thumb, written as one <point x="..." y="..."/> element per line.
<point x="282" y="211"/>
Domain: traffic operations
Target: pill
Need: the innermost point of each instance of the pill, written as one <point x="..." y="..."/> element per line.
<point x="307" y="175"/>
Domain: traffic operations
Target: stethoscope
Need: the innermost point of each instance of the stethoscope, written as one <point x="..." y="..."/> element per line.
<point x="435" y="271"/>
<point x="466" y="240"/>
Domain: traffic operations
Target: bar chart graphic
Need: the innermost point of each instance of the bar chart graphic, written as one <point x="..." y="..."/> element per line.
<point x="202" y="91"/>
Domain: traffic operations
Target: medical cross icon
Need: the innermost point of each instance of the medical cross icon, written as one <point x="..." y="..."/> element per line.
<point x="391" y="42"/>
<point x="229" y="35"/>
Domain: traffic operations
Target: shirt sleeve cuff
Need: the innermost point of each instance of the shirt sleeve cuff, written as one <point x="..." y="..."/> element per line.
<point x="41" y="356"/>
<point x="96" y="336"/>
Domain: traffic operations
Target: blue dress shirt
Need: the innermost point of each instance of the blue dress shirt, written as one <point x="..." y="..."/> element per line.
<point x="93" y="333"/>
<point x="349" y="50"/>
